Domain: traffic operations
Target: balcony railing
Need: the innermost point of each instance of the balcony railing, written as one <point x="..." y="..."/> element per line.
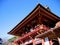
<point x="34" y="31"/>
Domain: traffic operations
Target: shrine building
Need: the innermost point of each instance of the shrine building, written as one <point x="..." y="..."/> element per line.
<point x="39" y="27"/>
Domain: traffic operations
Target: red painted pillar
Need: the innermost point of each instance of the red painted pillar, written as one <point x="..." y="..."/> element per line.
<point x="43" y="42"/>
<point x="51" y="43"/>
<point x="33" y="42"/>
<point x="15" y="44"/>
<point x="58" y="40"/>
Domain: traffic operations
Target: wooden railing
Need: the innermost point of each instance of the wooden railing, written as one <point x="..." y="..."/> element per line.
<point x="55" y="30"/>
<point x="33" y="32"/>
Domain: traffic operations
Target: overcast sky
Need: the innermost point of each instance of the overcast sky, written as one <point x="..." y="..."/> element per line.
<point x="13" y="11"/>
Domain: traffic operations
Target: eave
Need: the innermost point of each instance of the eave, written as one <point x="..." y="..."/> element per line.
<point x="20" y="24"/>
